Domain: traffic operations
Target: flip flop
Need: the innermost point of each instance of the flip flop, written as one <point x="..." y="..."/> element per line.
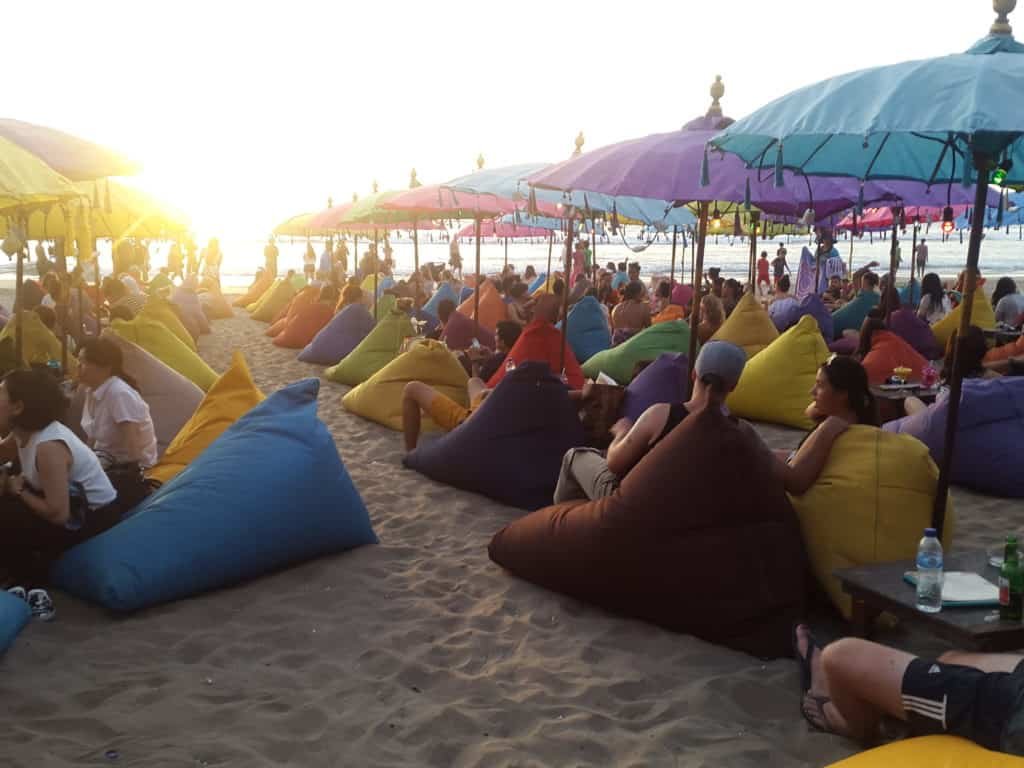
<point x="804" y="661"/>
<point x="818" y="708"/>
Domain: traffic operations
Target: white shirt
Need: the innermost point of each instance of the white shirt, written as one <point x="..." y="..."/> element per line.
<point x="115" y="402"/>
<point x="85" y="468"/>
<point x="780" y="303"/>
<point x="1009" y="308"/>
<point x="931" y="314"/>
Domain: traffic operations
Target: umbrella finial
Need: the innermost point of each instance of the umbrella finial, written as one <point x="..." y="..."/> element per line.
<point x="717" y="92"/>
<point x="375" y="186"/>
<point x="330" y="201"/>
<point x="355" y="196"/>
<point x="579" y="144"/>
<point x="413" y="181"/>
<point x="480" y="161"/>
<point x="1001" y="26"/>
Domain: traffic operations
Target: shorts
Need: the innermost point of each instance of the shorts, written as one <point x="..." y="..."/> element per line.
<point x="962" y="701"/>
<point x="447" y="413"/>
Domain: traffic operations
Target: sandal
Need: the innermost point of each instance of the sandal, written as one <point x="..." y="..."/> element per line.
<point x="813" y="710"/>
<point x="802" y="660"/>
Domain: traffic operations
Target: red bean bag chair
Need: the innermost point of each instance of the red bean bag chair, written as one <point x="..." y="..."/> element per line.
<point x="493" y="309"/>
<point x="540" y="341"/>
<point x="458" y="333"/>
<point x="256" y="290"/>
<point x="681" y="543"/>
<point x="889" y="351"/>
<point x="306" y="323"/>
<point x="305" y="297"/>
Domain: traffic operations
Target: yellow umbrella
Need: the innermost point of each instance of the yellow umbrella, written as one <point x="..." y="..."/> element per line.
<point x="297" y="226"/>
<point x="26" y="182"/>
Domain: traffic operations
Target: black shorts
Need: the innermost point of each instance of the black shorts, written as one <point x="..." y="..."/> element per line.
<point x="962" y="701"/>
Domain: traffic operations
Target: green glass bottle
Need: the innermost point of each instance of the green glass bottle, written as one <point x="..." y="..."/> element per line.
<point x="1011" y="583"/>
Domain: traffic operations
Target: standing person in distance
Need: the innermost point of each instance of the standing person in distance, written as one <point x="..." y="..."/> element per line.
<point x="270" y="254"/>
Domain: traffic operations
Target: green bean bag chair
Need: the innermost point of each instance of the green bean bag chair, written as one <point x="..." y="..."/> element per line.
<point x="619" y="362"/>
<point x="385" y="304"/>
<point x="163" y="311"/>
<point x="378" y="349"/>
<point x="277" y="300"/>
<point x="38" y="344"/>
<point x="154" y="337"/>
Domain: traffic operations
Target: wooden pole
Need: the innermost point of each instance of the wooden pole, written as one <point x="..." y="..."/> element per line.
<point x="981" y="163"/>
<point x="476" y="288"/>
<point x="551" y="245"/>
<point x="415" y="247"/>
<point x="698" y="269"/>
<point x="892" y="259"/>
<point x="672" y="269"/>
<point x="753" y="253"/>
<point x="565" y="297"/>
<point x="693" y="265"/>
<point x="853" y="232"/>
<point x="376" y="273"/>
<point x="19" y="300"/>
<point x="593" y="250"/>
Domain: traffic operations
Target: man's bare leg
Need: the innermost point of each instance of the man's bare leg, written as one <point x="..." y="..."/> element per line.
<point x="416" y="398"/>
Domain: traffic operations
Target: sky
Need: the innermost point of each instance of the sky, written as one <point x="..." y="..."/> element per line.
<point x="243" y="114"/>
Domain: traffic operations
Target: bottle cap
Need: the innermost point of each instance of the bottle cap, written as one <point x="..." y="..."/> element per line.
<point x="930" y="533"/>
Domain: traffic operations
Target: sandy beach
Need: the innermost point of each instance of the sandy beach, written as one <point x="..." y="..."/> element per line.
<point x="416" y="652"/>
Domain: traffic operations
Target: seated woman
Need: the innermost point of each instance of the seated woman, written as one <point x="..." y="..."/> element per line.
<point x="116" y="419"/>
<point x="662" y="297"/>
<point x="712" y="315"/>
<point x="631" y="315"/>
<point x="62" y="496"/>
<point x="1007" y="302"/>
<point x="519" y="310"/>
<point x="842" y="397"/>
<point x="973" y="365"/>
<point x="935" y="304"/>
<point x="590" y="474"/>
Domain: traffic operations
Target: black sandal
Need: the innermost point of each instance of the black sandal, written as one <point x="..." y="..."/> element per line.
<point x="804" y="661"/>
<point x="817" y="709"/>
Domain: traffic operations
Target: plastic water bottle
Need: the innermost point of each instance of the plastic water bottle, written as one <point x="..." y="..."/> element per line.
<point x="510" y="364"/>
<point x="929" y="573"/>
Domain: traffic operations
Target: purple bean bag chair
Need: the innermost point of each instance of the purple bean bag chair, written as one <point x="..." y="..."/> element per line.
<point x="511" y="449"/>
<point x="340" y="336"/>
<point x="916" y="332"/>
<point x="444" y="291"/>
<point x="458" y="333"/>
<point x="847" y="345"/>
<point x="989" y="436"/>
<point x="663" y="381"/>
<point x="588" y="329"/>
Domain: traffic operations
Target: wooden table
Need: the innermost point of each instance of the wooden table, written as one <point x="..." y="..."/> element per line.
<point x="880" y="587"/>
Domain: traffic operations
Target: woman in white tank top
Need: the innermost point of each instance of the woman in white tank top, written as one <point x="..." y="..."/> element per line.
<point x="62" y="495"/>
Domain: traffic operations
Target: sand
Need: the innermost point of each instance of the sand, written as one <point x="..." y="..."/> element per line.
<point x="416" y="652"/>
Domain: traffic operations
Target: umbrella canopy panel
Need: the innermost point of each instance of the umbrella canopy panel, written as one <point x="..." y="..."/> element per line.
<point x="75" y="158"/>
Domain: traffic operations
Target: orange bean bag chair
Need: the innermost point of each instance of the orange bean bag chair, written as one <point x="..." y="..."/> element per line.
<point x="890" y="351"/>
<point x="668" y="314"/>
<point x="492" y="307"/>
<point x="541" y="342"/>
<point x="1006" y="351"/>
<point x="305" y="297"/>
<point x="256" y="290"/>
<point x="306" y="323"/>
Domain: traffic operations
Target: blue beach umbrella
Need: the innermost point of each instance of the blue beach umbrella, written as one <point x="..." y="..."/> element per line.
<point x="955" y="119"/>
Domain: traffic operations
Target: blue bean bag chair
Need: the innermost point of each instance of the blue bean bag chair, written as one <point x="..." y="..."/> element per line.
<point x="663" y="381"/>
<point x="14" y="615"/>
<point x="851" y="316"/>
<point x="425" y="317"/>
<point x="588" y="329"/>
<point x="340" y="336"/>
<point x="511" y="448"/>
<point x="916" y="332"/>
<point x="910" y="294"/>
<point x="466" y="293"/>
<point x="235" y="513"/>
<point x="989" y="434"/>
<point x="538" y="281"/>
<point x="444" y="291"/>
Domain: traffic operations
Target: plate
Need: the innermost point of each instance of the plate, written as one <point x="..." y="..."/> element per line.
<point x="895" y="387"/>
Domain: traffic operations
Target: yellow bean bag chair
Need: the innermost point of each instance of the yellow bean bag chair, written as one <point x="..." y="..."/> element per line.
<point x="870" y="504"/>
<point x="259" y="286"/>
<point x="749" y="326"/>
<point x="258" y="302"/>
<point x="776" y="384"/>
<point x="378" y="349"/>
<point x="38" y="344"/>
<point x="154" y="337"/>
<point x="161" y="311"/>
<point x="982" y="316"/>
<point x="230" y="398"/>
<point x="277" y="300"/>
<point x="379" y="398"/>
<point x="931" y="752"/>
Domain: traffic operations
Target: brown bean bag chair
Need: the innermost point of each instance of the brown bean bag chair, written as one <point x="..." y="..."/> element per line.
<point x="256" y="290"/>
<point x="304" y="325"/>
<point x="889" y="351"/>
<point x="306" y="296"/>
<point x="680" y="544"/>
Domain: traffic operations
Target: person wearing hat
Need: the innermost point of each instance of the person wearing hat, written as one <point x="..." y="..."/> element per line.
<point x="589" y="474"/>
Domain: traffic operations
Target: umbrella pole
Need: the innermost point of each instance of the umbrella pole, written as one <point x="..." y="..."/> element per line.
<point x="565" y="297"/>
<point x="415" y="248"/>
<point x="672" y="269"/>
<point x="913" y="259"/>
<point x="376" y="273"/>
<point x="477" y="286"/>
<point x="18" y="301"/>
<point x="698" y="269"/>
<point x="817" y="270"/>
<point x="506" y="252"/>
<point x="693" y="264"/>
<point x="593" y="250"/>
<point x="853" y="231"/>
<point x="551" y="245"/>
<point x="892" y="261"/>
<point x="981" y="163"/>
<point x="753" y="254"/>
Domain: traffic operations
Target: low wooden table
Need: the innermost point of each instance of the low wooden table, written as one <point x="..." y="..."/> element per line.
<point x="880" y="587"/>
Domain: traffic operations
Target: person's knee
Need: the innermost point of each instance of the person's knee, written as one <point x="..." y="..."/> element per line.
<point x="840" y="659"/>
<point x="413" y="390"/>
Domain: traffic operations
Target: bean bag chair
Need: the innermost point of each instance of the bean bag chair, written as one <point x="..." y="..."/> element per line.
<point x="813" y="305"/>
<point x="916" y="332"/>
<point x="223" y="521"/>
<point x="378" y="349"/>
<point x="458" y="333"/>
<point x="232" y="396"/>
<point x="989" y="433"/>
<point x="172" y="399"/>
<point x="870" y="504"/>
<point x="162" y="311"/>
<point x="930" y="752"/>
<point x="340" y="336"/>
<point x="277" y="300"/>
<point x="155" y="338"/>
<point x="982" y="315"/>
<point x="512" y="447"/>
<point x="663" y="381"/>
<point x="215" y="306"/>
<point x="444" y="291"/>
<point x="492" y="308"/>
<point x="465" y="294"/>
<point x="260" y="286"/>
<point x="429" y="322"/>
<point x="304" y="325"/>
<point x="298" y="281"/>
<point x="160" y="285"/>
<point x="847" y="345"/>
<point x="668" y="314"/>
<point x="190" y="312"/>
<point x="379" y="398"/>
<point x="305" y="297"/>
<point x="910" y="294"/>
<point x="588" y="329"/>
<point x="14" y="615"/>
<point x="540" y="341"/>
<point x="851" y="316"/>
<point x="385" y="305"/>
<point x="682" y="295"/>
<point x="748" y="327"/>
<point x="258" y="302"/>
<point x="776" y="384"/>
<point x="715" y="558"/>
<point x="538" y="281"/>
<point x="38" y="344"/>
<point x="619" y="362"/>
<point x="545" y="286"/>
<point x="383" y="283"/>
<point x="887" y="352"/>
<point x="1006" y="351"/>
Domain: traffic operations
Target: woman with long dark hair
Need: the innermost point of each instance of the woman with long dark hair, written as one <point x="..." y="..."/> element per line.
<point x="935" y="304"/>
<point x="1007" y="303"/>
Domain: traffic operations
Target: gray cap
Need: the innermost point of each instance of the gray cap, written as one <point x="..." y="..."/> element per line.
<point x="723" y="359"/>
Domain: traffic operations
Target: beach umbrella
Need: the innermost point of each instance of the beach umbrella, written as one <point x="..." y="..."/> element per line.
<point x="74" y="158"/>
<point x="297" y="226"/>
<point x="948" y="121"/>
